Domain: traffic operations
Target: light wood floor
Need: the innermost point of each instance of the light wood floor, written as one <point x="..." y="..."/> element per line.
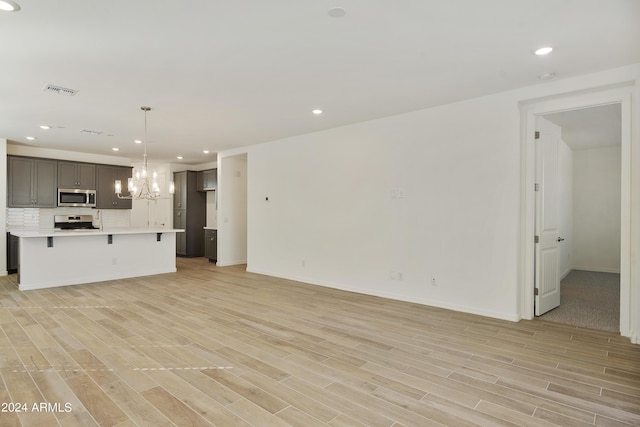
<point x="219" y="346"/>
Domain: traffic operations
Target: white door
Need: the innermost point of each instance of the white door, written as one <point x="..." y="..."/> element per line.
<point x="547" y="224"/>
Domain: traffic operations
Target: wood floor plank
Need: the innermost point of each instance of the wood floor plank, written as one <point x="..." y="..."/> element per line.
<point x="299" y="401"/>
<point x="247" y="390"/>
<point x="135" y="406"/>
<point x="25" y="400"/>
<point x="96" y="401"/>
<point x="212" y="345"/>
<point x="340" y="403"/>
<point x="173" y="408"/>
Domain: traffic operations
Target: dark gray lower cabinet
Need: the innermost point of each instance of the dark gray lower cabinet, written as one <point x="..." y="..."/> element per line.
<point x="189" y="214"/>
<point x="12" y="253"/>
<point x="191" y="242"/>
<point x="180" y="222"/>
<point x="211" y="245"/>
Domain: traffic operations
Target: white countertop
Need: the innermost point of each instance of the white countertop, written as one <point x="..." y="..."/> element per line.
<point x="79" y="233"/>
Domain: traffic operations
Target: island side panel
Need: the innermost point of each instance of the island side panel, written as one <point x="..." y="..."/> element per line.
<point x="87" y="258"/>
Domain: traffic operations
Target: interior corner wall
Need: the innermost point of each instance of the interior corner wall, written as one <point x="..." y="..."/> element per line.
<point x="232" y="216"/>
<point x="420" y="207"/>
<point x="597" y="174"/>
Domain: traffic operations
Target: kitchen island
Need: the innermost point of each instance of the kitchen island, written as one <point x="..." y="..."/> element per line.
<point x="49" y="258"/>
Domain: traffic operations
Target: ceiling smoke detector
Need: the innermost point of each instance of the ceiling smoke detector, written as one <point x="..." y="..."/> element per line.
<point x="337" y="12"/>
<point x="59" y="90"/>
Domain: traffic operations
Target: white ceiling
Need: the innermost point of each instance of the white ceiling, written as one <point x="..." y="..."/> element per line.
<point x="593" y="127"/>
<point x="221" y="74"/>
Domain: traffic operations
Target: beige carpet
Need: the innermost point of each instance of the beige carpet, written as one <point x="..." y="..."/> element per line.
<point x="588" y="299"/>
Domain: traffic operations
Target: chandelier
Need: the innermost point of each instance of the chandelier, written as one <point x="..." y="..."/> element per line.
<point x="143" y="185"/>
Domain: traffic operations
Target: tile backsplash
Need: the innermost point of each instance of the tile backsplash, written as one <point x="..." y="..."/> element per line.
<point x="42" y="218"/>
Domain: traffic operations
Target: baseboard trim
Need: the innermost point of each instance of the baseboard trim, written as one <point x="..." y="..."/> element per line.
<point x="515" y="317"/>
<point x="229" y="263"/>
<point x="597" y="270"/>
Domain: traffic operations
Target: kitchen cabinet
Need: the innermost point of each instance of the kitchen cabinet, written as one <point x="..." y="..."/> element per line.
<point x="180" y="223"/>
<point x="207" y="180"/>
<point x="180" y="190"/>
<point x="32" y="182"/>
<point x="77" y="175"/>
<point x="12" y="253"/>
<point x="211" y="244"/>
<point x="189" y="214"/>
<point x="106" y="176"/>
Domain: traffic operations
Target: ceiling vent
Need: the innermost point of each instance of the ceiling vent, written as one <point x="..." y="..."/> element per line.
<point x="59" y="90"/>
<point x="92" y="132"/>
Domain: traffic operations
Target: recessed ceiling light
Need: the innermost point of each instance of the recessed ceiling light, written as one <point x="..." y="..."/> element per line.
<point x="205" y="151"/>
<point x="45" y="127"/>
<point x="30" y="138"/>
<point x="137" y="141"/>
<point x="115" y="149"/>
<point x="317" y="111"/>
<point x="180" y="157"/>
<point x="9" y="6"/>
<point x="543" y="51"/>
<point x="337" y="12"/>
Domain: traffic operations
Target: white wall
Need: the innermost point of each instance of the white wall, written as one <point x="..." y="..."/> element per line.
<point x="232" y="220"/>
<point x="386" y="206"/>
<point x="383" y="207"/>
<point x="25" y="150"/>
<point x="157" y="213"/>
<point x="597" y="209"/>
<point x="565" y="192"/>
<point x="212" y="209"/>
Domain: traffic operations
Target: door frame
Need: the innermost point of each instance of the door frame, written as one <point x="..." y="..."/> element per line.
<point x="529" y="110"/>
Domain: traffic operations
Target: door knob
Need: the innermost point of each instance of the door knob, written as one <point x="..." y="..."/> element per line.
<point x="560" y="239"/>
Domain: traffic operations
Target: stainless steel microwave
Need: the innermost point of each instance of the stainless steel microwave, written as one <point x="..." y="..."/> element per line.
<point x="76" y="197"/>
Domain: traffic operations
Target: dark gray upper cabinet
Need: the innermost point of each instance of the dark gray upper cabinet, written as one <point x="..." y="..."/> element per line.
<point x="207" y="180"/>
<point x="180" y="192"/>
<point x="106" y="176"/>
<point x="32" y="182"/>
<point x="77" y="175"/>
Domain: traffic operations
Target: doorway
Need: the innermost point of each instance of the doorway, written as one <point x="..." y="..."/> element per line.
<point x="588" y="201"/>
<point x="532" y="109"/>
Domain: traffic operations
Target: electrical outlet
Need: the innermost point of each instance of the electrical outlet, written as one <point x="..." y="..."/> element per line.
<point x="433" y="281"/>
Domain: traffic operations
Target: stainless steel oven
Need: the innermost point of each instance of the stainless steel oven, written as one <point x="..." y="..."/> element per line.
<point x="73" y="222"/>
<point x="76" y="197"/>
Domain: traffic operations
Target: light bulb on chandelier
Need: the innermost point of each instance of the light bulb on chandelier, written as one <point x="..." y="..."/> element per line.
<point x="139" y="186"/>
